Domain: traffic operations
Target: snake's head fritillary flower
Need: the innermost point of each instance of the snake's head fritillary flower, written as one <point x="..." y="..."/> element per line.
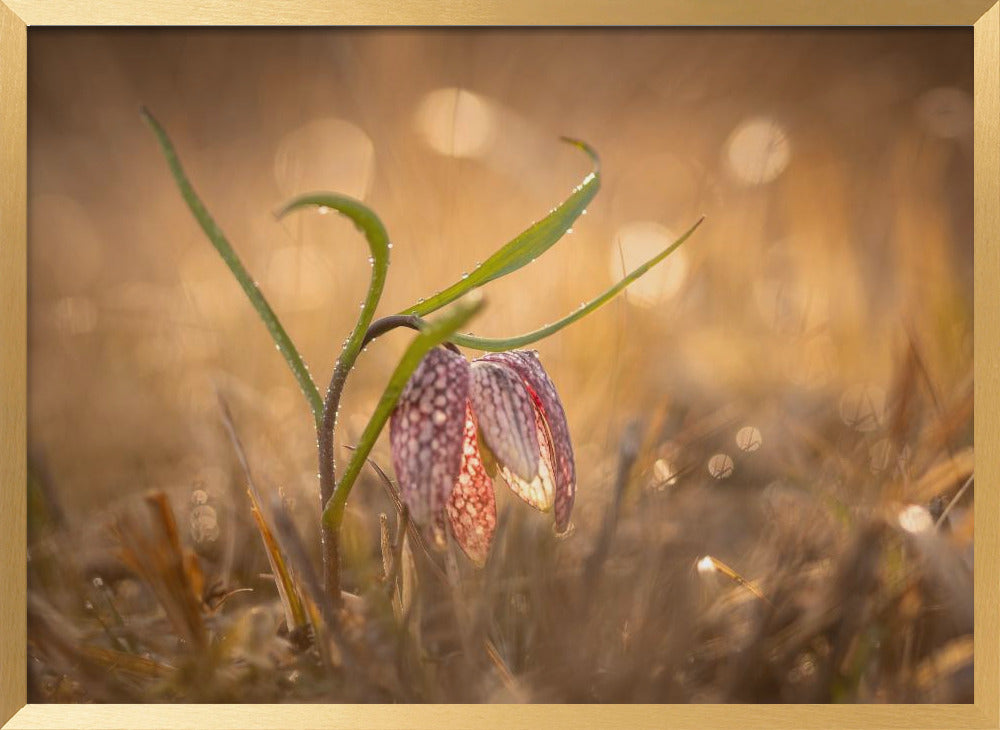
<point x="456" y="421"/>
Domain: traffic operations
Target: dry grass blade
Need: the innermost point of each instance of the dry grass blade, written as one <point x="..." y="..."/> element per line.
<point x="628" y="452"/>
<point x="397" y="563"/>
<point x="412" y="531"/>
<point x="291" y="600"/>
<point x="385" y="545"/>
<point x="944" y="476"/>
<point x="398" y="546"/>
<point x="509" y="680"/>
<point x="119" y="661"/>
<point x="163" y="564"/>
<point x="949" y="659"/>
<point x="710" y="564"/>
<point x="316" y="600"/>
<point x="954" y="500"/>
<point x="53" y="637"/>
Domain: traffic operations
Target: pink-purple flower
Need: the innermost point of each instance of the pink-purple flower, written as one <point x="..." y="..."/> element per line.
<point x="458" y="423"/>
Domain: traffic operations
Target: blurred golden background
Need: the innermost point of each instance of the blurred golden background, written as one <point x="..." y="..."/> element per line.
<point x="804" y="361"/>
<point x="834" y="168"/>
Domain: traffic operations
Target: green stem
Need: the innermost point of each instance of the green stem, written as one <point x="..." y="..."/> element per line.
<point x="434" y="333"/>
<point x="249" y="286"/>
<point x="378" y="245"/>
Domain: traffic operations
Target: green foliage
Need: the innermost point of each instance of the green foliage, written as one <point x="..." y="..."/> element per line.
<point x="250" y="288"/>
<point x="360" y="214"/>
<point x="519" y="252"/>
<point x="433" y="334"/>
<point x="527" y="246"/>
<point x="367" y="223"/>
<point x="510" y="343"/>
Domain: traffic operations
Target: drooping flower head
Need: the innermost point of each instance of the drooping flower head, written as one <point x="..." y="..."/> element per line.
<point x="457" y="423"/>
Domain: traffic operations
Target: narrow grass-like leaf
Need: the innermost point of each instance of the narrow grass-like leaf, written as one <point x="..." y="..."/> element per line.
<point x="511" y="343"/>
<point x="527" y="246"/>
<point x="249" y="286"/>
<point x="360" y="214"/>
<point x="371" y="227"/>
<point x="433" y="334"/>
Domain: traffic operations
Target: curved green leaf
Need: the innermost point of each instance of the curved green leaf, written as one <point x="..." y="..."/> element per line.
<point x="511" y="343"/>
<point x="527" y="246"/>
<point x="360" y="214"/>
<point x="431" y="335"/>
<point x="250" y="288"/>
<point x="370" y="225"/>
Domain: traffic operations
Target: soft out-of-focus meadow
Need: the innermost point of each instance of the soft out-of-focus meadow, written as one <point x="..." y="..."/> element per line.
<point x="773" y="429"/>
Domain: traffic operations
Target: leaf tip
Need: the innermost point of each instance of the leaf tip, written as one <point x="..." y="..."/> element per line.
<point x="580" y="144"/>
<point x="148" y="119"/>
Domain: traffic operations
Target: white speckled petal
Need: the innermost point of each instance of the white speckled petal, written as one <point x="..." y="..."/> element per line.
<point x="543" y="392"/>
<point x="472" y="509"/>
<point x="540" y="491"/>
<point x="506" y="417"/>
<point x="426" y="433"/>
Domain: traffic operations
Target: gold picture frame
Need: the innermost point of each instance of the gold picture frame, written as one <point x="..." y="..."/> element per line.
<point x="16" y="16"/>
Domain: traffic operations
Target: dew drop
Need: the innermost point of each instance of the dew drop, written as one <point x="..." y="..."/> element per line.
<point x="465" y="275"/>
<point x="371" y="259"/>
<point x="568" y="231"/>
<point x="915" y="518"/>
<point x="323" y="209"/>
<point x="389" y="245"/>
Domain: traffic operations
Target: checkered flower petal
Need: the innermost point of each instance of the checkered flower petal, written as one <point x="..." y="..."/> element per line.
<point x="508" y="401"/>
<point x="472" y="509"/>
<point x="506" y="417"/>
<point x="527" y="365"/>
<point x="426" y="433"/>
<point x="540" y="491"/>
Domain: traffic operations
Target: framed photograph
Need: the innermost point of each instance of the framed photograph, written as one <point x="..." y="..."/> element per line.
<point x="496" y="365"/>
